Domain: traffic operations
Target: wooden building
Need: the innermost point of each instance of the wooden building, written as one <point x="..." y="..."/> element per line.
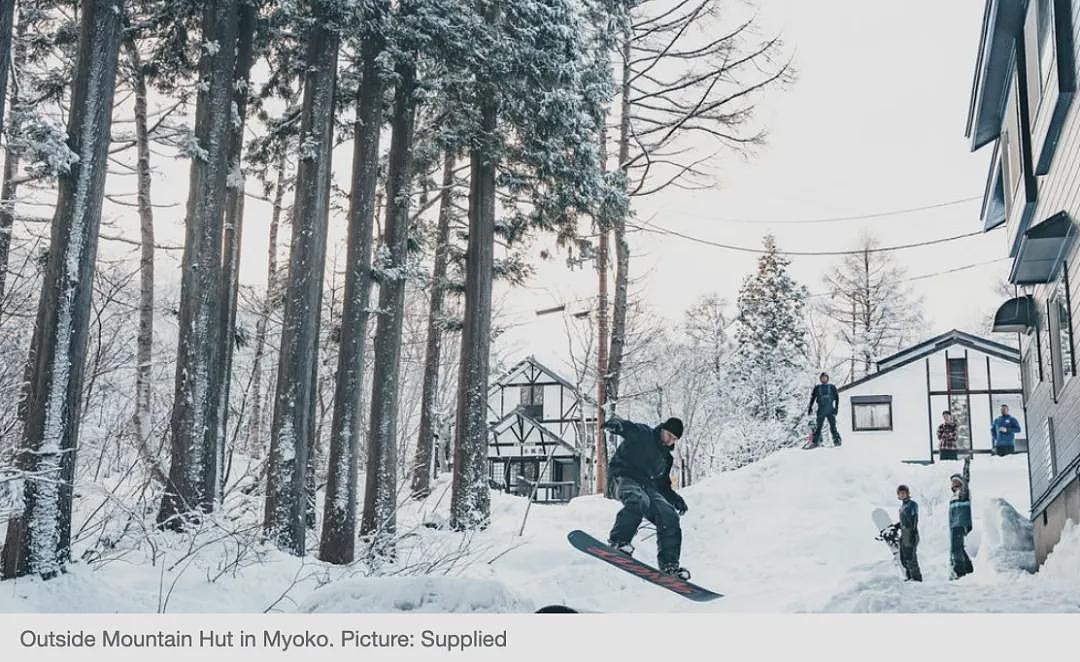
<point x="540" y="434"/>
<point x="1023" y="107"/>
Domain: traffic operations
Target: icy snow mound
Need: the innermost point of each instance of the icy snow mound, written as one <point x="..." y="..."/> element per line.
<point x="430" y="594"/>
<point x="1009" y="537"/>
<point x="1063" y="564"/>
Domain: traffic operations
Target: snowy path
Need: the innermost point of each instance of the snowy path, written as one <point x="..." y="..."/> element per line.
<point x="791" y="533"/>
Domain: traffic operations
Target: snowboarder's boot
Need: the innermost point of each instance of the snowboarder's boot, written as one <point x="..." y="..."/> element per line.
<point x="624" y="547"/>
<point x="676" y="571"/>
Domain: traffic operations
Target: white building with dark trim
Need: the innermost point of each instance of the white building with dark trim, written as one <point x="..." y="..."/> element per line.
<point x="540" y="434"/>
<point x="899" y="406"/>
<point x="1023" y="108"/>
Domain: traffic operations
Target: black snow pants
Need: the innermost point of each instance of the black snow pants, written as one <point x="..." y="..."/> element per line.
<point x="640" y="501"/>
<point x="910" y="560"/>
<point x="821" y="418"/>
<point x="961" y="562"/>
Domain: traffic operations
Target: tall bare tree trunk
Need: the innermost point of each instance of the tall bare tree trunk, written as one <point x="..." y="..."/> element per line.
<point x="9" y="188"/>
<point x="470" y="504"/>
<point x="144" y="343"/>
<point x="380" y="493"/>
<point x="255" y="423"/>
<point x="338" y="543"/>
<point x="39" y="542"/>
<point x="622" y="248"/>
<point x="293" y="429"/>
<point x="425" y="443"/>
<point x="7" y="20"/>
<point x="194" y="430"/>
<point x="234" y="220"/>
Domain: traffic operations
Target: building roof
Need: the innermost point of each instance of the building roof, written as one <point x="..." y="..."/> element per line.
<point x="1002" y="21"/>
<point x="518" y="414"/>
<point x="517" y="369"/>
<point x="928" y="347"/>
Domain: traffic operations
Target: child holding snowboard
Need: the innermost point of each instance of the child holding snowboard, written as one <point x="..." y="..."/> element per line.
<point x="909" y="534"/>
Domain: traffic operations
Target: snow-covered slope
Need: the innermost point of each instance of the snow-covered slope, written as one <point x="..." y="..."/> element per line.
<point x="790" y="533"/>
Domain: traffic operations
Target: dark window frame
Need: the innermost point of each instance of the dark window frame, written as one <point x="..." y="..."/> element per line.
<point x="858" y="401"/>
<point x="1059" y="361"/>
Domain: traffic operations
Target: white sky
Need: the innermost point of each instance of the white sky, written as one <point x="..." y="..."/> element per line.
<point x="874" y="123"/>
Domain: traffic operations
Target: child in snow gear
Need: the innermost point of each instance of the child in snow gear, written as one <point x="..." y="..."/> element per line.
<point x="947" y="436"/>
<point x="827" y="399"/>
<point x="1003" y="431"/>
<point x="641" y="469"/>
<point x="960" y="522"/>
<point x="909" y="534"/>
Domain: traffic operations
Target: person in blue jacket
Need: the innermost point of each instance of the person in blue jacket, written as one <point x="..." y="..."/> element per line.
<point x="960" y="522"/>
<point x="1003" y="431"/>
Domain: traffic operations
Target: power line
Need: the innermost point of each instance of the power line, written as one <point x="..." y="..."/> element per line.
<point x="652" y="227"/>
<point x="843" y="219"/>
<point x="934" y="274"/>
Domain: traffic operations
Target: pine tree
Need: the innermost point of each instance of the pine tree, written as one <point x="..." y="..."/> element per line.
<point x="193" y="473"/>
<point x="292" y="431"/>
<point x="338" y="540"/>
<point x="770" y="340"/>
<point x="39" y="542"/>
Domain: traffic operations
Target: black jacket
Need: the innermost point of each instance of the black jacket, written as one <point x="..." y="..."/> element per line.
<point x="642" y="457"/>
<point x="827" y="398"/>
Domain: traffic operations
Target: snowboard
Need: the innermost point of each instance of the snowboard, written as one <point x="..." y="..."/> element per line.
<point x="593" y="547"/>
<point x="887" y="533"/>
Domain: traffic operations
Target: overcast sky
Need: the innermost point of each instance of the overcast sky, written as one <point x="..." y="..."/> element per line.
<point x="874" y="123"/>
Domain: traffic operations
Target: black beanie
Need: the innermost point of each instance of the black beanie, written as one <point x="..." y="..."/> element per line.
<point x="672" y="425"/>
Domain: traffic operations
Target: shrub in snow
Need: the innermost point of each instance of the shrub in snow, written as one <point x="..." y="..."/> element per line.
<point x="430" y="594"/>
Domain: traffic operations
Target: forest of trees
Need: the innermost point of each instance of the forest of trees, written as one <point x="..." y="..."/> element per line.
<point x="146" y="377"/>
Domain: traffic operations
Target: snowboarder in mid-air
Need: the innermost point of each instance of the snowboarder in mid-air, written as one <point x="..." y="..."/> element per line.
<point x="960" y="522"/>
<point x="827" y="399"/>
<point x="641" y="469"/>
<point x="909" y="534"/>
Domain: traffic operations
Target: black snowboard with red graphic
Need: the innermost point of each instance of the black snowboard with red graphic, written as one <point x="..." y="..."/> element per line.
<point x="595" y="548"/>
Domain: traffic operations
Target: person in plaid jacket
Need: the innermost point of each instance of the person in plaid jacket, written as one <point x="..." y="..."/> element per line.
<point x="947" y="437"/>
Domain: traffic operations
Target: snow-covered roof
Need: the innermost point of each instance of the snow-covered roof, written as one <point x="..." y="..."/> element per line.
<point x="935" y="344"/>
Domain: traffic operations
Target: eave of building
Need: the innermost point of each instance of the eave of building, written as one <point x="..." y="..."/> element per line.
<point x="937" y="343"/>
<point x="1002" y="21"/>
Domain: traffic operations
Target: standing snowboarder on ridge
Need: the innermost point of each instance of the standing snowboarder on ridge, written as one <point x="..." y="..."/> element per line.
<point x="960" y="522"/>
<point x="641" y="469"/>
<point x="827" y="399"/>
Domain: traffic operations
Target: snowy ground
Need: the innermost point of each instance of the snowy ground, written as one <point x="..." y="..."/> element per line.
<point x="791" y="533"/>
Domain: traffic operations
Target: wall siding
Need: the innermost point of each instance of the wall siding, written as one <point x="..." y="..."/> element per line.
<point x="1059" y="190"/>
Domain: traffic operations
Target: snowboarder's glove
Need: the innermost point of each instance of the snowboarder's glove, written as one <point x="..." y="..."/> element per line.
<point x="680" y="507"/>
<point x="613" y="424"/>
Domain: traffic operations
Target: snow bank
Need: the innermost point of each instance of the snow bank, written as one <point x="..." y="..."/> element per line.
<point x="1063" y="564"/>
<point x="1009" y="537"/>
<point x="415" y="594"/>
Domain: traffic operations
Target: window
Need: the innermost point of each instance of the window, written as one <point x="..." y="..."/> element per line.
<point x="532" y="401"/>
<point x="1045" y="26"/>
<point x="958" y="375"/>
<point x="871" y="413"/>
<point x="1048" y="447"/>
<point x="1062" y="347"/>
